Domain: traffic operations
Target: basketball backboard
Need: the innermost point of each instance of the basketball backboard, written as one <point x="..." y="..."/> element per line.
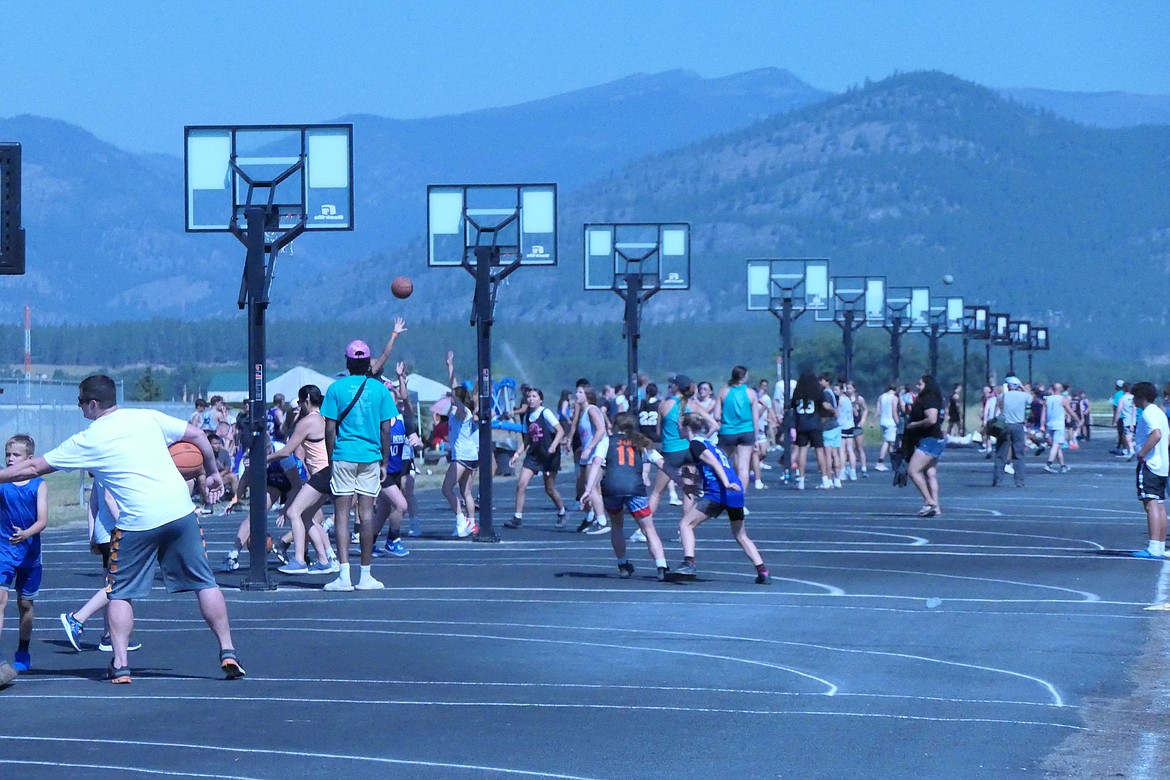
<point x="975" y="322"/>
<point x="11" y="232"/>
<point x="1021" y="334"/>
<point x="908" y="308"/>
<point x="1040" y="339"/>
<point x="865" y="296"/>
<point x="521" y="219"/>
<point x="659" y="252"/>
<point x="1001" y="325"/>
<point x="304" y="171"/>
<point x="804" y="282"/>
<point x="947" y="314"/>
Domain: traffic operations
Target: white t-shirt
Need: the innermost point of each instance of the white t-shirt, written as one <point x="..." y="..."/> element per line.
<point x="127" y="450"/>
<point x="464" y="436"/>
<point x="886" y="409"/>
<point x="104" y="522"/>
<point x="1128" y="410"/>
<point x="1154" y="419"/>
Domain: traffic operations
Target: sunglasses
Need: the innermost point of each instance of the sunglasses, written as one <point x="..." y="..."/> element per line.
<point x="81" y="402"/>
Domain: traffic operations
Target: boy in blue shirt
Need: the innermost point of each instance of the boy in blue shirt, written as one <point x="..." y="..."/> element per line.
<point x="24" y="512"/>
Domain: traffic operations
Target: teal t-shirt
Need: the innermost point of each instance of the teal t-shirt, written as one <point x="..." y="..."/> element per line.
<point x="737" y="411"/>
<point x="359" y="437"/>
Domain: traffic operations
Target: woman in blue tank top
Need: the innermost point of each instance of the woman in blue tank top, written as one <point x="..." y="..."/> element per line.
<point x="737" y="409"/>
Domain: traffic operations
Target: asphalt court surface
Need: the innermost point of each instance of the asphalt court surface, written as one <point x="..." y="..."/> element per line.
<point x="973" y="645"/>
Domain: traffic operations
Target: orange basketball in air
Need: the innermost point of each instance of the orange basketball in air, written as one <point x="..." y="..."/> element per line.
<point x="402" y="287"/>
<point x="187" y="459"/>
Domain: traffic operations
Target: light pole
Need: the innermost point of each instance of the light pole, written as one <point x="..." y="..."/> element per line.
<point x="975" y="326"/>
<point x="787" y="287"/>
<point x="854" y="301"/>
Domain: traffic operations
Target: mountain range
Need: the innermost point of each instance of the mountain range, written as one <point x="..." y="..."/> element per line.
<point x="913" y="176"/>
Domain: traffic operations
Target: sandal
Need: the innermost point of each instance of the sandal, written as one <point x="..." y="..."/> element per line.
<point x="118" y="675"/>
<point x="230" y="665"/>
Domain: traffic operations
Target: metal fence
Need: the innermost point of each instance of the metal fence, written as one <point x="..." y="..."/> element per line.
<point x="47" y="410"/>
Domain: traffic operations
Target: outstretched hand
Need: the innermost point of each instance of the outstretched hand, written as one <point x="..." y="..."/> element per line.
<point x="399" y="326"/>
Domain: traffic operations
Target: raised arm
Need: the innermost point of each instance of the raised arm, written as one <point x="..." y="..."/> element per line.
<point x="399" y="328"/>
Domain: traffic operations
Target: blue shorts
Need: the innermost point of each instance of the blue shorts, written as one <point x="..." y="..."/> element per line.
<point x="637" y="506"/>
<point x="932" y="447"/>
<point x="833" y="437"/>
<point x="25" y="580"/>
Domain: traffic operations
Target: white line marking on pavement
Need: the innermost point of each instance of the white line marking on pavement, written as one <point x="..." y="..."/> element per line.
<point x="284" y="753"/>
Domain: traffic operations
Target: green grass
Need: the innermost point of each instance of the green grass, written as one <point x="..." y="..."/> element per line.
<point x="65" y="509"/>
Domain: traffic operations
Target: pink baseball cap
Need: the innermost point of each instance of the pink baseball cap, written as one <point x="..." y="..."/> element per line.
<point x="357" y="349"/>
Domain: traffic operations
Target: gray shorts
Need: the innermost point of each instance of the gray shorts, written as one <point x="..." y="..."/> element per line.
<point x="177" y="547"/>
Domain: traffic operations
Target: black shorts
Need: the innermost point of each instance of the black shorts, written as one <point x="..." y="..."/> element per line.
<point x="815" y="438"/>
<point x="745" y="439"/>
<point x="542" y="463"/>
<point x="320" y="481"/>
<point x="1150" y="486"/>
<point x="392" y="480"/>
<point x="104" y="548"/>
<point x="714" y="509"/>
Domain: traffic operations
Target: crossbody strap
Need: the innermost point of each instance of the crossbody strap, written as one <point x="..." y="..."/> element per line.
<point x="357" y="395"/>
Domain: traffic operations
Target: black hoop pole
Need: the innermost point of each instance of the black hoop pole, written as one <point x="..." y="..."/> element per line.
<point x="486" y="257"/>
<point x="255" y="277"/>
<point x="633" y="299"/>
<point x="963" y="416"/>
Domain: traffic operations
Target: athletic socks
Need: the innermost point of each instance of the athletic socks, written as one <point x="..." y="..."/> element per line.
<point x="689" y="559"/>
<point x="1156" y="548"/>
<point x="343" y="575"/>
<point x="660" y="563"/>
<point x="761" y="569"/>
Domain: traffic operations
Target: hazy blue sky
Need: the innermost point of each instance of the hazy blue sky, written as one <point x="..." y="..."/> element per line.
<point x="134" y="72"/>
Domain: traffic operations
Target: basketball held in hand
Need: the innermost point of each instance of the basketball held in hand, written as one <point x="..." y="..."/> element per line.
<point x="402" y="287"/>
<point x="187" y="459"/>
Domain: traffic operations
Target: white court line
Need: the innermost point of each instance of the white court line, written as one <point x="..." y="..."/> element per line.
<point x="124" y="768"/>
<point x="1147" y="757"/>
<point x="1085" y="595"/>
<point x="830" y="688"/>
<point x="671" y="689"/>
<point x="103" y="742"/>
<point x="301" y="628"/>
<point x="497" y="704"/>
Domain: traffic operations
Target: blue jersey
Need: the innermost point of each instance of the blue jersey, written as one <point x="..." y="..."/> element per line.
<point x="397" y="445"/>
<point x="18" y="510"/>
<point x="713" y="489"/>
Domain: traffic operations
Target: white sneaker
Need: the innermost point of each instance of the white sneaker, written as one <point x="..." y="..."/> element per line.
<point x="800" y="483"/>
<point x="462" y="529"/>
<point x="368" y="583"/>
<point x="597" y="528"/>
<point x="881" y="467"/>
<point x="675" y="501"/>
<point x="355" y="538"/>
<point x="766" y="466"/>
<point x="334" y="566"/>
<point x="638" y="536"/>
<point x="837" y="483"/>
<point x="852" y="475"/>
<point x="1009" y="469"/>
<point x="759" y="484"/>
<point x="338" y="586"/>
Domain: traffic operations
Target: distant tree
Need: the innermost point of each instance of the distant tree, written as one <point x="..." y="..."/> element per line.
<point x="147" y="388"/>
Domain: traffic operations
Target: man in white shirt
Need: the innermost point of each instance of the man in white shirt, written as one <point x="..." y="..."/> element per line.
<point x="127" y="450"/>
<point x="1152" y="438"/>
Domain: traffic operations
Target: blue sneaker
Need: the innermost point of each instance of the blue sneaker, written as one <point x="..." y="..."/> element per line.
<point x="1147" y="555"/>
<point x="294" y="567"/>
<point x="397" y="549"/>
<point x="321" y="568"/>
<point x="73" y="630"/>
<point x="22" y="662"/>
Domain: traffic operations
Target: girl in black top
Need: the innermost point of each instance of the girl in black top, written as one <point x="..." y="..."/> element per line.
<point x="806" y="409"/>
<point x="924" y="438"/>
